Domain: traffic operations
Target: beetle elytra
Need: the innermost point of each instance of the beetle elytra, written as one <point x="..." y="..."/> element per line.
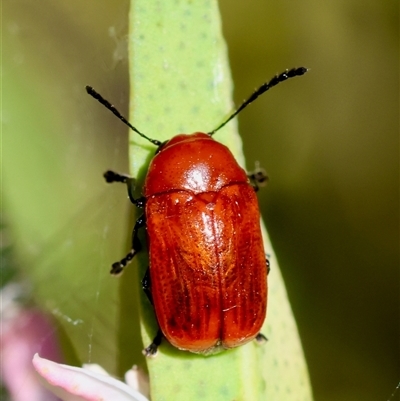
<point x="207" y="277"/>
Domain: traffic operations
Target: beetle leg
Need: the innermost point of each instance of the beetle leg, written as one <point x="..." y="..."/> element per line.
<point x="151" y="350"/>
<point x="260" y="338"/>
<point x="117" y="267"/>
<point x="112" y="176"/>
<point x="258" y="178"/>
<point x="146" y="285"/>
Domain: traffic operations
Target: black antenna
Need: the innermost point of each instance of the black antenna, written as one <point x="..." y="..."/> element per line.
<point x="294" y="72"/>
<point x="394" y="392"/>
<point x="112" y="108"/>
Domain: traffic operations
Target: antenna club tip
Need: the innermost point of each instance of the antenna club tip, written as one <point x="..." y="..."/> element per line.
<point x="302" y="70"/>
<point x="89" y="89"/>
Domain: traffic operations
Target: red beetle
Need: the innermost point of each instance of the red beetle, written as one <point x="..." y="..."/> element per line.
<point x="207" y="277"/>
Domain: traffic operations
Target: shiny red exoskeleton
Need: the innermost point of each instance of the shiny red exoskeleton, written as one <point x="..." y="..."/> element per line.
<point x="207" y="278"/>
<point x="207" y="262"/>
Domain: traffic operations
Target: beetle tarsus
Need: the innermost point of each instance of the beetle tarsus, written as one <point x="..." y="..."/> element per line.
<point x="261" y="339"/>
<point x="118" y="267"/>
<point x="268" y="264"/>
<point x="151" y="350"/>
<point x="258" y="178"/>
<point x="111" y="176"/>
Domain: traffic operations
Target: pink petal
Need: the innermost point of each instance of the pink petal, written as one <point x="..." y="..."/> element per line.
<point x="24" y="333"/>
<point x="137" y="379"/>
<point x="76" y="384"/>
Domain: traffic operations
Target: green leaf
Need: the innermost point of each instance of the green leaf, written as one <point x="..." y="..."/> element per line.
<point x="66" y="226"/>
<point x="180" y="83"/>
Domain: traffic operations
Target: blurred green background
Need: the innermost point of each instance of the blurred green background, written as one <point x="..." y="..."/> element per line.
<point x="329" y="141"/>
